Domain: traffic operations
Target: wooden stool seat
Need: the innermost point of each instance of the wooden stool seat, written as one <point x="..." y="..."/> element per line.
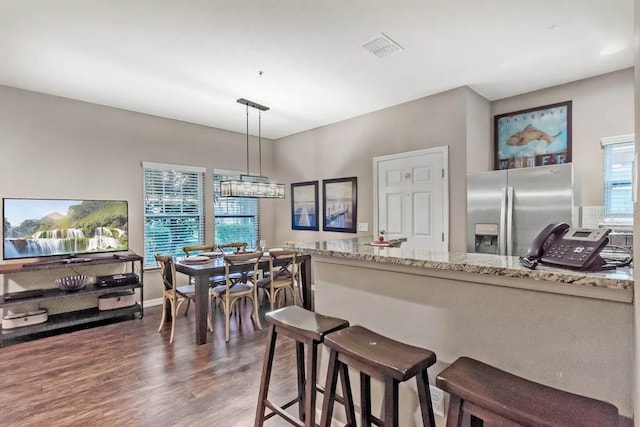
<point x="298" y="321"/>
<point x="494" y="395"/>
<point x="308" y="329"/>
<point x="377" y="356"/>
<point x="386" y="357"/>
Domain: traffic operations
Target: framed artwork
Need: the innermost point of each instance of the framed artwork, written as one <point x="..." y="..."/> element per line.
<point x="304" y="205"/>
<point x="534" y="137"/>
<point x="339" y="204"/>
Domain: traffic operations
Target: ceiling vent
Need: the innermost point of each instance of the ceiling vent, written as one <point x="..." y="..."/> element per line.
<point x="382" y="46"/>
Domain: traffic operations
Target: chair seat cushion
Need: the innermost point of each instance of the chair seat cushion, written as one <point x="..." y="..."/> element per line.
<point x="264" y="283"/>
<point x="186" y="290"/>
<point x="239" y="287"/>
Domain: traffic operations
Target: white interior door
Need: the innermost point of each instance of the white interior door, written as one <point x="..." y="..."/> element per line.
<point x="411" y="198"/>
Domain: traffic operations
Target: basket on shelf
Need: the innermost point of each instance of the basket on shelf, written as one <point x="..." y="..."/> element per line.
<point x="72" y="283"/>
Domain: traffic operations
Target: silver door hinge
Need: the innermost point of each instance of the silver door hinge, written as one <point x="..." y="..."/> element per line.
<point x="443" y="237"/>
<point x="443" y="173"/>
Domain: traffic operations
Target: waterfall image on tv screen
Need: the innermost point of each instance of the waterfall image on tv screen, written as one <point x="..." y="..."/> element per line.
<point x="37" y="227"/>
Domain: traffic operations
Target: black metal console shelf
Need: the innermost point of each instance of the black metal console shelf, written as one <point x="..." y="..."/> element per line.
<point x="69" y="319"/>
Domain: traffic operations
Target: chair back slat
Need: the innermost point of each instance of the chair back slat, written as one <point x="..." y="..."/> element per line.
<point x="280" y="260"/>
<point x="198" y="248"/>
<point x="236" y="246"/>
<point x="242" y="264"/>
<point x="167" y="270"/>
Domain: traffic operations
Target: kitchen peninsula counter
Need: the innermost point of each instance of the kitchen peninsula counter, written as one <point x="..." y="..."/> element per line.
<point x="566" y="329"/>
<point x="616" y="285"/>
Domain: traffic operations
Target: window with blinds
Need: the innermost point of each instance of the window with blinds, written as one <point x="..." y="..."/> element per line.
<point x="173" y="209"/>
<point x="236" y="218"/>
<point x="618" y="176"/>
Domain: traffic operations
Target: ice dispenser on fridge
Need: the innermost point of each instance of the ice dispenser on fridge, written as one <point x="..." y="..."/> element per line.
<point x="486" y="238"/>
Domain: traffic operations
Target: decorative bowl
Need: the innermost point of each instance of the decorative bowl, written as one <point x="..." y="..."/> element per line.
<point x="72" y="283"/>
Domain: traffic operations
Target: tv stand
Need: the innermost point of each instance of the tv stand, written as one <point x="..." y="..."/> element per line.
<point x="60" y="322"/>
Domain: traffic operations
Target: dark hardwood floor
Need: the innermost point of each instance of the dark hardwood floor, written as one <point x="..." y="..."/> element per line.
<point x="126" y="374"/>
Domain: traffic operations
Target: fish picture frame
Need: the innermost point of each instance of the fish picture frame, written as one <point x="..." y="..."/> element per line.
<point x="304" y="206"/>
<point x="533" y="137"/>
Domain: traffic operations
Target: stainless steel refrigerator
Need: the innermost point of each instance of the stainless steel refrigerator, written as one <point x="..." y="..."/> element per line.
<point x="506" y="209"/>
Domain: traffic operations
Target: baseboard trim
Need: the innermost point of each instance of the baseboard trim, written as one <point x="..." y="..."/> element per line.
<point x="152" y="302"/>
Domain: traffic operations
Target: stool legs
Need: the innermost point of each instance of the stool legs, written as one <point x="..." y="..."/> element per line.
<point x="311" y="379"/>
<point x="329" y="390"/>
<point x="347" y="397"/>
<point x="391" y="401"/>
<point x="365" y="402"/>
<point x="454" y="413"/>
<point x="307" y="382"/>
<point x="424" y="395"/>
<point x="266" y="377"/>
<point x="301" y="388"/>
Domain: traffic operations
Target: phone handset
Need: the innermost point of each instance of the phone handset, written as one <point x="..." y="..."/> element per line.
<point x="542" y="242"/>
<point x="545" y="239"/>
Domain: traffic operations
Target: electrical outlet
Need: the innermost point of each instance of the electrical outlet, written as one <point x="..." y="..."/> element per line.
<point x="363" y="226"/>
<point x="437" y="400"/>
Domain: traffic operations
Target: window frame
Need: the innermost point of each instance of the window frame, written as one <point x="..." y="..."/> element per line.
<point x="613" y="180"/>
<point x="190" y="200"/>
<point x="217" y="200"/>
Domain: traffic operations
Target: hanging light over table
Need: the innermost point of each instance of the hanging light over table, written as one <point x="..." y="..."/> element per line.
<point x="255" y="186"/>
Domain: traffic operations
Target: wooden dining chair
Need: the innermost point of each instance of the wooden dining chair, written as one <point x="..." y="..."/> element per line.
<point x="172" y="293"/>
<point x="283" y="274"/>
<point x="246" y="266"/>
<point x="195" y="249"/>
<point x="233" y="247"/>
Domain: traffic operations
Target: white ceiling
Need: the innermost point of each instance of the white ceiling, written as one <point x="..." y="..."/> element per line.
<point x="191" y="59"/>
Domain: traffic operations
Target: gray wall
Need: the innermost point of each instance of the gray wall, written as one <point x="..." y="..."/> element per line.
<point x="463" y="120"/>
<point x="602" y="106"/>
<point x="55" y="147"/>
<point x="347" y="148"/>
<point x="60" y="148"/>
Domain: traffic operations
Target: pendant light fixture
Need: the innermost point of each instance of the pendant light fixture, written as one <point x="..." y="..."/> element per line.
<point x="254" y="186"/>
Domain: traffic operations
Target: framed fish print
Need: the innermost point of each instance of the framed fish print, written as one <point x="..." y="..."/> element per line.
<point x="534" y="137"/>
<point x="339" y="197"/>
<point x="304" y="206"/>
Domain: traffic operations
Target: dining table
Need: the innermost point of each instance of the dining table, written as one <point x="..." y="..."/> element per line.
<point x="201" y="272"/>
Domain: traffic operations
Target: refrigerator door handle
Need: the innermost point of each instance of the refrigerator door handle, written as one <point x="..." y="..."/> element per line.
<point x="503" y="222"/>
<point x="510" y="221"/>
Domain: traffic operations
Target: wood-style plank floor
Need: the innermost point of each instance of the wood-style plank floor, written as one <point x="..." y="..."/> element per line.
<point x="127" y="374"/>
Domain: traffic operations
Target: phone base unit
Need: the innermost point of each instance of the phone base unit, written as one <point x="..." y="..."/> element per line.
<point x="559" y="245"/>
<point x="578" y="249"/>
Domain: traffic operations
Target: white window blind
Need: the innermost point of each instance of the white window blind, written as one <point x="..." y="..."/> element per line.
<point x="618" y="176"/>
<point x="236" y="218"/>
<point x="173" y="209"/>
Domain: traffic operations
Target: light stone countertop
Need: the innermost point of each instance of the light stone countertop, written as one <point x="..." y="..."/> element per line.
<point x="360" y="248"/>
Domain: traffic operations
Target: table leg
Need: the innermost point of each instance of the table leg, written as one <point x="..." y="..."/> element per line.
<point x="305" y="272"/>
<point x="202" y="308"/>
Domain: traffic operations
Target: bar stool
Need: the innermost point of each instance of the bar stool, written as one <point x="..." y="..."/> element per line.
<point x="384" y="359"/>
<point x="498" y="397"/>
<point x="306" y="328"/>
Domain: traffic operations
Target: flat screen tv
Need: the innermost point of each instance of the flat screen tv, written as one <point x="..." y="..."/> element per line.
<point x="35" y="228"/>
